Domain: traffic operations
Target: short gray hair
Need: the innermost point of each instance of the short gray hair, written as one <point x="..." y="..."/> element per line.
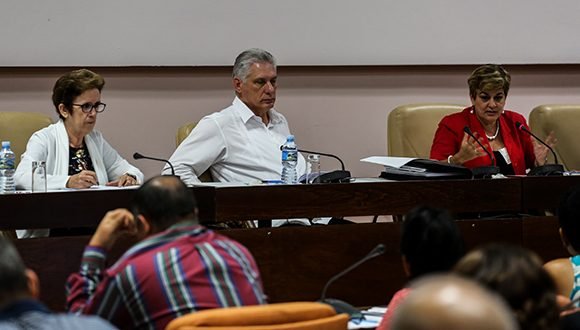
<point x="248" y="57"/>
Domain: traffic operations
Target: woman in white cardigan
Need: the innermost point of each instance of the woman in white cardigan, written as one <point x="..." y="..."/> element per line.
<point x="76" y="155"/>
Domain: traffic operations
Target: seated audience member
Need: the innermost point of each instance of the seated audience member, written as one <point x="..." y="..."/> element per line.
<point x="76" y="155"/>
<point x="177" y="268"/>
<point x="517" y="275"/>
<point x="566" y="271"/>
<point x="242" y="142"/>
<point x="512" y="150"/>
<point x="430" y="243"/>
<point x="19" y="291"/>
<point x="452" y="303"/>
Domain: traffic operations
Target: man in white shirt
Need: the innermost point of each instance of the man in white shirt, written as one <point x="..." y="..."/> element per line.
<point x="242" y="142"/>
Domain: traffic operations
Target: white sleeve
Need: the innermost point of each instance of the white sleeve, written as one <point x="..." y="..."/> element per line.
<point x="37" y="149"/>
<point x="202" y="148"/>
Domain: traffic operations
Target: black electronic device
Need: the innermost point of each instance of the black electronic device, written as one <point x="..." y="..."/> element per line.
<point x="426" y="169"/>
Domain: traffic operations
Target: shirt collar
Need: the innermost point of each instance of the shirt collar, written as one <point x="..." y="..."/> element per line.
<point x="20" y="307"/>
<point x="246" y="113"/>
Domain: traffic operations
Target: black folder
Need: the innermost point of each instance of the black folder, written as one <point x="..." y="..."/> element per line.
<point x="426" y="169"/>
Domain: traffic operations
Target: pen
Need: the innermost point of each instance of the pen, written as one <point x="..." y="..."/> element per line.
<point x="272" y="181"/>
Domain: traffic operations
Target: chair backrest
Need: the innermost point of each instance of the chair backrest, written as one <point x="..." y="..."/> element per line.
<point x="280" y="316"/>
<point x="182" y="133"/>
<point x="564" y="120"/>
<point x="17" y="127"/>
<point x="411" y="128"/>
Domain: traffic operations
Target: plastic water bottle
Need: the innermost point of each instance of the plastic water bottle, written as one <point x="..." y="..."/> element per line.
<point x="7" y="157"/>
<point x="289" y="161"/>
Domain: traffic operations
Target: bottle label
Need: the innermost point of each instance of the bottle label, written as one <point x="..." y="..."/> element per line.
<point x="6" y="163"/>
<point x="288" y="155"/>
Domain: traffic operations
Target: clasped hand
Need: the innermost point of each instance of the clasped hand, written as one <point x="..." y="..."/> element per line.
<point x="115" y="224"/>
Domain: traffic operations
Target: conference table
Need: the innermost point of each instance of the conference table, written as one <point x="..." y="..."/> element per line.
<point x="219" y="203"/>
<point x="296" y="262"/>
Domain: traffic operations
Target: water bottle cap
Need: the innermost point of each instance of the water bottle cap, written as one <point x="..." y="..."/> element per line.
<point x="5" y="144"/>
<point x="290" y="138"/>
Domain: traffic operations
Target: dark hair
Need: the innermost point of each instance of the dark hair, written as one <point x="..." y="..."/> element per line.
<point x="487" y="78"/>
<point x="569" y="217"/>
<point x="164" y="201"/>
<point x="518" y="276"/>
<point x="13" y="280"/>
<point x="430" y="241"/>
<point x="73" y="84"/>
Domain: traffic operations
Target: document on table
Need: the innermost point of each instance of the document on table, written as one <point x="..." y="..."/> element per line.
<point x="372" y="318"/>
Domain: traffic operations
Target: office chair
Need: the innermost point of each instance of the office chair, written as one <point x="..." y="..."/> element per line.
<point x="411" y="128"/>
<point x="564" y="120"/>
<point x="182" y="132"/>
<point x="17" y="127"/>
<point x="280" y="316"/>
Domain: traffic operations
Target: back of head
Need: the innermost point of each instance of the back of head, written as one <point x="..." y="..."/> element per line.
<point x="451" y="303"/>
<point x="487" y="78"/>
<point x="569" y="217"/>
<point x="430" y="241"/>
<point x="248" y="57"/>
<point x="13" y="280"/>
<point x="517" y="275"/>
<point x="164" y="201"/>
<point x="73" y="84"/>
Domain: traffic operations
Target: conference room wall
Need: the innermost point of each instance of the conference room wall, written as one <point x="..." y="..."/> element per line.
<point x="340" y="110"/>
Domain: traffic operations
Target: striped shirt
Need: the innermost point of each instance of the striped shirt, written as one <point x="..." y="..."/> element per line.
<point x="181" y="270"/>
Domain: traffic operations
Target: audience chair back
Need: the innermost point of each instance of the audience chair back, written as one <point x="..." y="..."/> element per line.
<point x="411" y="128"/>
<point x="280" y="316"/>
<point x="17" y="127"/>
<point x="182" y="133"/>
<point x="564" y="120"/>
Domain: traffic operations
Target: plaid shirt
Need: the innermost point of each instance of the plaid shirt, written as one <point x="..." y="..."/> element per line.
<point x="181" y="270"/>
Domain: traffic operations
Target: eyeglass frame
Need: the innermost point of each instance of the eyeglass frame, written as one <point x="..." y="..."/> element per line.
<point x="93" y="106"/>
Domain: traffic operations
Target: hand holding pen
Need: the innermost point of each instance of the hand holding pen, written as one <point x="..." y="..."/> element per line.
<point x="84" y="179"/>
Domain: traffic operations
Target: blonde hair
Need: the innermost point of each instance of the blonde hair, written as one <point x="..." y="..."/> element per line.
<point x="487" y="78"/>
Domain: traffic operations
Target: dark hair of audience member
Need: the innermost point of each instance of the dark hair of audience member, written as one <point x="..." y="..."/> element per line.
<point x="430" y="241"/>
<point x="517" y="275"/>
<point x="164" y="201"/>
<point x="13" y="280"/>
<point x="569" y="217"/>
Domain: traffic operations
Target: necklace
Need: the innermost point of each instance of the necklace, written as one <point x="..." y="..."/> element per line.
<point x="493" y="137"/>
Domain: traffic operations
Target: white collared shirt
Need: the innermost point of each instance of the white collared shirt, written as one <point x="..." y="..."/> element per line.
<point x="235" y="145"/>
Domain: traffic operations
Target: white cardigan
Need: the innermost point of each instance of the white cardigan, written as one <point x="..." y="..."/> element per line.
<point x="51" y="144"/>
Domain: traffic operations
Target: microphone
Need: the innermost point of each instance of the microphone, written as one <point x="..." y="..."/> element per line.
<point x="332" y="176"/>
<point x="139" y="156"/>
<point x="483" y="171"/>
<point x="342" y="306"/>
<point x="549" y="169"/>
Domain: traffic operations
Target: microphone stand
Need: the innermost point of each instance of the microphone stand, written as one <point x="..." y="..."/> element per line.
<point x="546" y="169"/>
<point x="333" y="176"/>
<point x="482" y="171"/>
<point x="140" y="156"/>
<point x="342" y="306"/>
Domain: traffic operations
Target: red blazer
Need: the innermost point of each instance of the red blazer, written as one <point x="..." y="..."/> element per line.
<point x="449" y="135"/>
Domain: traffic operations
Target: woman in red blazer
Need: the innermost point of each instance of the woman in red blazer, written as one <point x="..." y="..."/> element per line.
<point x="512" y="150"/>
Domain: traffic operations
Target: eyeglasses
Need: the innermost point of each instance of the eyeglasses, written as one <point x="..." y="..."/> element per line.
<point x="88" y="107"/>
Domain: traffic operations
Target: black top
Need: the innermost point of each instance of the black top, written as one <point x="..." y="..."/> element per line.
<point x="79" y="160"/>
<point x="504" y="167"/>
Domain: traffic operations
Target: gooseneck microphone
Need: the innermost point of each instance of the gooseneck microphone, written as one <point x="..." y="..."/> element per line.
<point x="483" y="171"/>
<point x="546" y="169"/>
<point x="332" y="176"/>
<point x="339" y="305"/>
<point x="139" y="156"/>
